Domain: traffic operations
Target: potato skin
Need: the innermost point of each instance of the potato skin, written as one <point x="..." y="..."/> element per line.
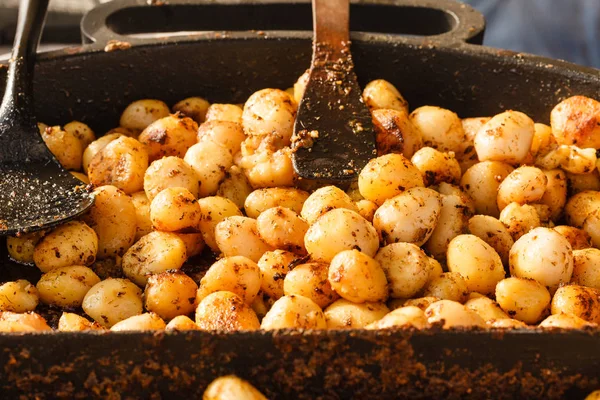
<point x="169" y="136"/>
<point x="66" y="286"/>
<point x="141" y="113"/>
<point x="310" y="281"/>
<point x="236" y="274"/>
<point x="343" y="314"/>
<point x="225" y="311"/>
<point x="18" y="296"/>
<point x="357" y="277"/>
<point x="294" y="312"/>
<point x="73" y="243"/>
<point x="113" y="300"/>
<point x="396" y="133"/>
<point x="576" y="120"/>
<point x="581" y="301"/>
<point x="170" y="172"/>
<point x="380" y="93"/>
<point x="170" y="294"/>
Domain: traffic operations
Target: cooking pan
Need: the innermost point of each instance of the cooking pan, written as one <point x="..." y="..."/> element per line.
<point x="440" y="63"/>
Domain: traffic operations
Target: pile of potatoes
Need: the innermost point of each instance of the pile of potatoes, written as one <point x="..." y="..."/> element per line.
<point x="476" y="222"/>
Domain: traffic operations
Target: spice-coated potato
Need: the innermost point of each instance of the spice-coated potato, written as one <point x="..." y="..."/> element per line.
<point x="323" y="200"/>
<point x="565" y="321"/>
<point x="228" y="134"/>
<point x="387" y="176"/>
<point x="407" y="268"/>
<point x="21" y="248"/>
<point x="282" y="228"/>
<point x="169" y="136"/>
<point x="274" y="266"/>
<point x="170" y="172"/>
<point x="524" y="299"/>
<point x="476" y="261"/>
<point x="586" y="268"/>
<point x="210" y="161"/>
<point x="494" y="233"/>
<point x="578" y="238"/>
<point x="580" y="182"/>
<point x="224" y="112"/>
<point x="576" y="120"/>
<point x="436" y="166"/>
<point x="395" y="133"/>
<point x="263" y="199"/>
<point x="408" y="316"/>
<point x="121" y="163"/>
<point x="73" y="243"/>
<point x="452" y="314"/>
<point x="581" y="301"/>
<point x="114" y="219"/>
<point x="66" y="286"/>
<point x="294" y="312"/>
<point x="235" y="186"/>
<point x="580" y="206"/>
<point x="225" y="311"/>
<point x="141" y="113"/>
<point x="95" y="147"/>
<point x="440" y="128"/>
<point x="231" y="388"/>
<point x="142" y="322"/>
<point x="447" y="286"/>
<point x="270" y="112"/>
<point x="420" y="302"/>
<point x="175" y="209"/>
<point x="26" y="322"/>
<point x="142" y="214"/>
<point x="486" y="308"/>
<point x="193" y="107"/>
<point x="236" y="274"/>
<point x="18" y="296"/>
<point x="543" y="140"/>
<point x="519" y="219"/>
<point x="70" y="322"/>
<point x="112" y="300"/>
<point x="408" y="217"/>
<point x="357" y="277"/>
<point x="344" y="314"/>
<point x="213" y="210"/>
<point x="523" y="185"/>
<point x="66" y="147"/>
<point x="81" y="131"/>
<point x="481" y="183"/>
<point x="238" y="236"/>
<point x="170" y="294"/>
<point x="555" y="195"/>
<point x="382" y="94"/>
<point x="181" y="323"/>
<point x="310" y="280"/>
<point x="152" y="254"/>
<point x="339" y="230"/>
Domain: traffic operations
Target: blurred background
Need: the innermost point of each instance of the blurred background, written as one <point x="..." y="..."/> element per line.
<point x="565" y="29"/>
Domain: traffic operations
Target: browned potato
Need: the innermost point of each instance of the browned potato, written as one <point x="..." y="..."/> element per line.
<point x="170" y="172"/>
<point x="225" y="311"/>
<point x="139" y="114"/>
<point x="193" y="107"/>
<point x="396" y="133"/>
<point x="576" y="120"/>
<point x="310" y="281"/>
<point x="169" y="136"/>
<point x="73" y="243"/>
<point x="175" y="209"/>
<point x="170" y="294"/>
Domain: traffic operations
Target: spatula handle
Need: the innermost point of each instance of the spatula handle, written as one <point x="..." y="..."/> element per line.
<point x="331" y="22"/>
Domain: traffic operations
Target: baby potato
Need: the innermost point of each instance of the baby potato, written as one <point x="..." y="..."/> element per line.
<point x="323" y="200"/>
<point x="523" y="185"/>
<point x="577" y="183"/>
<point x="169" y="136"/>
<point x="472" y="125"/>
<point x="82" y="177"/>
<point x="507" y="323"/>
<point x="170" y="294"/>
<point x="586" y="268"/>
<point x="357" y="277"/>
<point x="270" y="169"/>
<point x="238" y="236"/>
<point x="476" y="261"/>
<point x="310" y="281"/>
<point x="506" y="137"/>
<point x="193" y="107"/>
<point x="262" y="199"/>
<point x="408" y="316"/>
<point x="408" y="217"/>
<point x="447" y="286"/>
<point x="81" y="131"/>
<point x="210" y="162"/>
<point x="170" y="172"/>
<point x="121" y="163"/>
<point x="387" y="176"/>
<point x="231" y="388"/>
<point x="70" y="322"/>
<point x="453" y="219"/>
<point x="212" y="211"/>
<point x="382" y="94"/>
<point x="406" y="268"/>
<point x="270" y="112"/>
<point x="421" y="302"/>
<point x="18" y="296"/>
<point x="544" y="255"/>
<point x="576" y="120"/>
<point x="225" y="311"/>
<point x="73" y="243"/>
<point x="591" y="226"/>
<point x="27" y="322"/>
<point x="95" y="147"/>
<point x="344" y="314"/>
<point x="235" y="186"/>
<point x="578" y="238"/>
<point x="494" y="233"/>
<point x="436" y="166"/>
<point x="237" y="274"/>
<point x="452" y="314"/>
<point x="194" y="243"/>
<point x="142" y="322"/>
<point x="175" y="209"/>
<point x="581" y="301"/>
<point x="228" y="134"/>
<point x="66" y="147"/>
<point x="543" y="141"/>
<point x="395" y="133"/>
<point x="152" y="254"/>
<point x="21" y="248"/>
<point x="282" y="228"/>
<point x="112" y="300"/>
<point x="481" y="183"/>
<point x="337" y="230"/>
<point x="113" y="217"/>
<point x="141" y="113"/>
<point x="224" y="112"/>
<point x="274" y="266"/>
<point x="519" y="219"/>
<point x="555" y="195"/>
<point x="366" y="209"/>
<point x="181" y="323"/>
<point x="524" y="299"/>
<point x="580" y="206"/>
<point x="142" y="214"/>
<point x="564" y="321"/>
<point x="294" y="311"/>
<point x="440" y="128"/>
<point x="66" y="286"/>
<point x="486" y="308"/>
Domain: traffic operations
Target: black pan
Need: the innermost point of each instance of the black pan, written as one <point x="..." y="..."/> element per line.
<point x="446" y="67"/>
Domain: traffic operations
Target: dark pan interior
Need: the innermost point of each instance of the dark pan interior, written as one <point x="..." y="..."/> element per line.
<point x="94" y="87"/>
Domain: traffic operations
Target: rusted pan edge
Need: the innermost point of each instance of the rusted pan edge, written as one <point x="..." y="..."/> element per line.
<point x="304" y="365"/>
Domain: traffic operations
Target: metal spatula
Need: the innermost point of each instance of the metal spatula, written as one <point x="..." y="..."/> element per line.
<point x="333" y="135"/>
<point x="36" y="192"/>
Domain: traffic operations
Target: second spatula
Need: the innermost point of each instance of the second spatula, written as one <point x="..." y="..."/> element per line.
<point x="333" y="135"/>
